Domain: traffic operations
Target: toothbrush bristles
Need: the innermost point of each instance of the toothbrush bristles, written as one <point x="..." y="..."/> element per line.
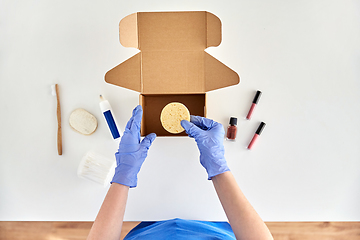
<point x="53" y="90"/>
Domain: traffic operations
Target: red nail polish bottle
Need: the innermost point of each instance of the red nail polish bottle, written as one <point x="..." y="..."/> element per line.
<point x="232" y="129"/>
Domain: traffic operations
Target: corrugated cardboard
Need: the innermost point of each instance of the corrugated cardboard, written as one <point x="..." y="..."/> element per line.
<point x="172" y="65"/>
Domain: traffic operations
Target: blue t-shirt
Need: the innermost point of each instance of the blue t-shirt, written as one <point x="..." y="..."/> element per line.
<point x="181" y="229"/>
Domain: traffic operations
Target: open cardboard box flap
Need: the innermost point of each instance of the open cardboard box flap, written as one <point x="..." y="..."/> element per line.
<point x="172" y="65"/>
<point x="172" y="58"/>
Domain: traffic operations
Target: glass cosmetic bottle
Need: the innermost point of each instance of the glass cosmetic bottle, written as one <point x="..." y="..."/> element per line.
<point x="232" y="129"/>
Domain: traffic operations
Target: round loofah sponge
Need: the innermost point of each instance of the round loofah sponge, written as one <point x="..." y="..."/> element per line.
<point x="82" y="121"/>
<point x="171" y="116"/>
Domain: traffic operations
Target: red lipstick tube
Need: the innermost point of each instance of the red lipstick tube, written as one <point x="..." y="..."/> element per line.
<point x="257" y="134"/>
<point x="254" y="103"/>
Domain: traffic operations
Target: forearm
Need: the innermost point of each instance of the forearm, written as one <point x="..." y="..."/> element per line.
<point x="108" y="222"/>
<point x="244" y="220"/>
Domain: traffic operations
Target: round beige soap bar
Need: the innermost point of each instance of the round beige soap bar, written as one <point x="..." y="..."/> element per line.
<point x="83" y="121"/>
<point x="171" y="116"/>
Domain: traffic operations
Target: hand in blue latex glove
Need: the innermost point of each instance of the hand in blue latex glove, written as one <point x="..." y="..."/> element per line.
<point x="209" y="136"/>
<point x="132" y="152"/>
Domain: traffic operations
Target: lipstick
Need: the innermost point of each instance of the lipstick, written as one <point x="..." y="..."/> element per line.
<point x="254" y="103"/>
<point x="257" y="134"/>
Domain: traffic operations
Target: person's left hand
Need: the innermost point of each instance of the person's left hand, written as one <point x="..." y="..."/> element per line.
<point x="132" y="152"/>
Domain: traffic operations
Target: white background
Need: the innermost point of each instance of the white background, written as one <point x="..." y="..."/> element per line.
<point x="303" y="55"/>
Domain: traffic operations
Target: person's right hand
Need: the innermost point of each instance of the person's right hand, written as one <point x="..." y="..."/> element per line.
<point x="209" y="136"/>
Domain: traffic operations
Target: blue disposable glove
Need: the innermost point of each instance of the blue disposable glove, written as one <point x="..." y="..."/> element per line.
<point x="132" y="152"/>
<point x="209" y="136"/>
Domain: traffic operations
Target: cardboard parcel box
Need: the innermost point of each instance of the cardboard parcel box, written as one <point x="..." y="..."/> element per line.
<point x="172" y="65"/>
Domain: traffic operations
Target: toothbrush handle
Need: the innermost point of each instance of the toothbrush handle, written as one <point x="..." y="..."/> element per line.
<point x="58" y="113"/>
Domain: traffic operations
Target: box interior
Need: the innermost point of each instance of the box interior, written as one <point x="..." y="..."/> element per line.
<point x="154" y="103"/>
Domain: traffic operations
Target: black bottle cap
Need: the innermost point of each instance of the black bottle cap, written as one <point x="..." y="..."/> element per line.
<point x="233" y="121"/>
<point x="260" y="128"/>
<point x="257" y="97"/>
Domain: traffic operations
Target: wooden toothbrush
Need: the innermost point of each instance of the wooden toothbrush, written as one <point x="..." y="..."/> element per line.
<point x="55" y="92"/>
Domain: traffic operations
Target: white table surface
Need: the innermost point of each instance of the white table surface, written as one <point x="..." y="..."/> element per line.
<point x="303" y="55"/>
